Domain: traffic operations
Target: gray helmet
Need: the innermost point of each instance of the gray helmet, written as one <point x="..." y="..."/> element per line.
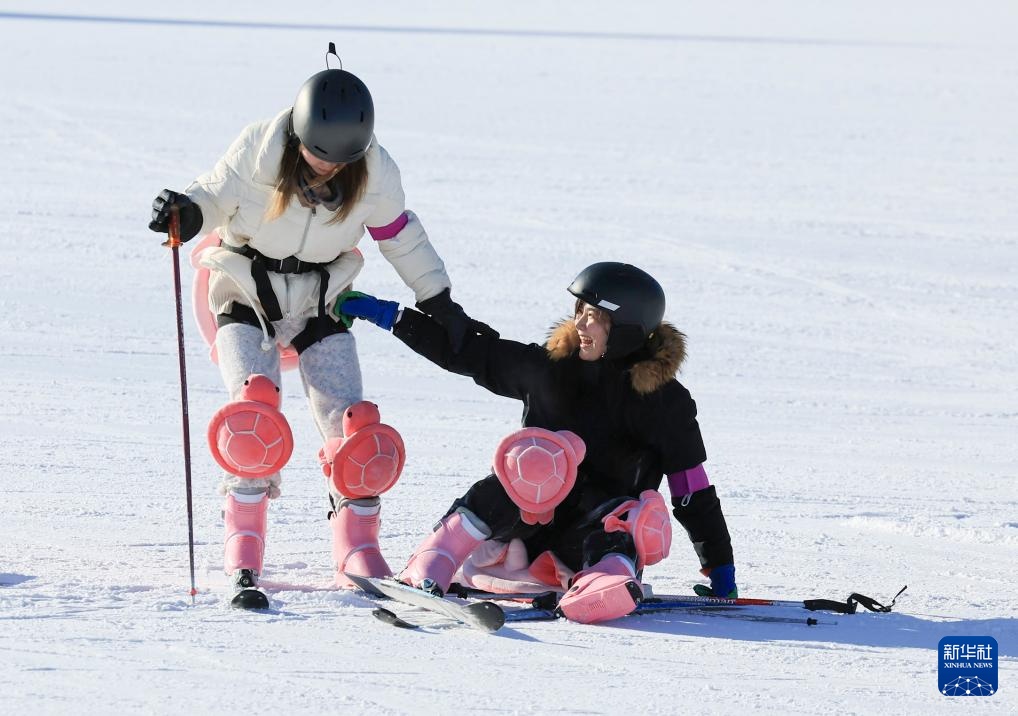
<point x="334" y="117"/>
<point x="633" y="299"/>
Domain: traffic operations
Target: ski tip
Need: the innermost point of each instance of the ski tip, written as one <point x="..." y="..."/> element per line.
<point x="390" y="618"/>
<point x="364" y="584"/>
<point x="487" y="615"/>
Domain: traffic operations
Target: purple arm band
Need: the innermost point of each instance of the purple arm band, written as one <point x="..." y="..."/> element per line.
<point x="381" y="233"/>
<point x="686" y="482"/>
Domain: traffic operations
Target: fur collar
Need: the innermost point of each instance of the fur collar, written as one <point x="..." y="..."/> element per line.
<point x="650" y="370"/>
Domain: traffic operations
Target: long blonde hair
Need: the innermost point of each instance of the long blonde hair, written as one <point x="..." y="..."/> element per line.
<point x="349" y="183"/>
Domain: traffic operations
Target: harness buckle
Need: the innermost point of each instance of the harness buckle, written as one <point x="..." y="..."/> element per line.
<point x="291" y="264"/>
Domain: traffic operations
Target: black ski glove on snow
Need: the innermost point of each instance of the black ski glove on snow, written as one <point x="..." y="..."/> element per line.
<point x="453" y="319"/>
<point x="191" y="218"/>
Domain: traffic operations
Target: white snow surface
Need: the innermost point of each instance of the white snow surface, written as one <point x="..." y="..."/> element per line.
<point x="826" y="192"/>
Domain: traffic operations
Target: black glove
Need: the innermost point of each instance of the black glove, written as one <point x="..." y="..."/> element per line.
<point x="191" y="218"/>
<point x="451" y="317"/>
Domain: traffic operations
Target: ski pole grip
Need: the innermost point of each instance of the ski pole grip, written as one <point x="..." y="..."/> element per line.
<point x="174" y="240"/>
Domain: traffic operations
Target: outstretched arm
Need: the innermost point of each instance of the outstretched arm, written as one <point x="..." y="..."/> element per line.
<point x="504" y="367"/>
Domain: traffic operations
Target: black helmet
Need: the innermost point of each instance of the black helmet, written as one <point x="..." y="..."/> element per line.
<point x="333" y="116"/>
<point x="633" y="299"/>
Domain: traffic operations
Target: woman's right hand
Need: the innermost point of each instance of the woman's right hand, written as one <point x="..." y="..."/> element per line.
<point x="451" y="316"/>
<point x="354" y="304"/>
<point x="191" y="217"/>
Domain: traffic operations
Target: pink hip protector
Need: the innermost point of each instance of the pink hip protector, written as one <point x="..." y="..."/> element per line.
<point x="207" y="326"/>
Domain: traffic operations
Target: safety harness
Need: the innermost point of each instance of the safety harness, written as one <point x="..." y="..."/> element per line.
<point x="318" y="327"/>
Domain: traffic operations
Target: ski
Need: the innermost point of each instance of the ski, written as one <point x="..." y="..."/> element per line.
<point x="485" y="616"/>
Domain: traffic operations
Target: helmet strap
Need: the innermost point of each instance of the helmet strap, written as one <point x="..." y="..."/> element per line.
<point x="291" y="136"/>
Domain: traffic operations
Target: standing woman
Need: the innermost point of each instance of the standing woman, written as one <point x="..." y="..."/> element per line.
<point x="290" y="200"/>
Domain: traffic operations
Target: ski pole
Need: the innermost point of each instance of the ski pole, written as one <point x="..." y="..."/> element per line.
<point x="651" y="607"/>
<point x="808" y="621"/>
<point x="847" y="606"/>
<point x="174" y="243"/>
<point x="548" y="600"/>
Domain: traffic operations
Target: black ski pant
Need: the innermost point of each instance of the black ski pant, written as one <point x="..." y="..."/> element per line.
<point x="576" y="533"/>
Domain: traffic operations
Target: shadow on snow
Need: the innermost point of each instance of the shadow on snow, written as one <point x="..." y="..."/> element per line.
<point x="9" y="580"/>
<point x="894" y="630"/>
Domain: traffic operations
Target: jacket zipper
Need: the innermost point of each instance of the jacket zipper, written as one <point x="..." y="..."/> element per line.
<point x="303" y="240"/>
<point x="307" y="227"/>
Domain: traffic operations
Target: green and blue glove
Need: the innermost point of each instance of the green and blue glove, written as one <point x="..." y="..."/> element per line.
<point x="722" y="583"/>
<point x="354" y="304"/>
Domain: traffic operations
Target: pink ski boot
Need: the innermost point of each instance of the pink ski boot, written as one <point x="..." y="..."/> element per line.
<point x="355" y="541"/>
<point x="437" y="558"/>
<point x="607" y="590"/>
<point x="245" y="520"/>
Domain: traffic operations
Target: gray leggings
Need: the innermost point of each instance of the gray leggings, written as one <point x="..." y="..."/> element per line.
<point x="329" y="370"/>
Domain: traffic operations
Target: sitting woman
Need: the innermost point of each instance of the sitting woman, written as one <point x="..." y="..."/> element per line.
<point x="605" y="421"/>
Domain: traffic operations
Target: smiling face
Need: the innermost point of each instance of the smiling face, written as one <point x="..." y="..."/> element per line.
<point x="319" y="166"/>
<point x="593" y="325"/>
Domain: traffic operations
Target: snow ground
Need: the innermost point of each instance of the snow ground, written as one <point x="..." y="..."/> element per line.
<point x="826" y="192"/>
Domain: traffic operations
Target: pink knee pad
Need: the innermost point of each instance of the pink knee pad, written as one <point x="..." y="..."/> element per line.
<point x="649" y="523"/>
<point x="249" y="437"/>
<point x="369" y="460"/>
<point x="537" y="469"/>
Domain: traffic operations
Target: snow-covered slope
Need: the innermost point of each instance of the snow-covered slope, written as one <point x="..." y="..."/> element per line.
<point x="827" y="195"/>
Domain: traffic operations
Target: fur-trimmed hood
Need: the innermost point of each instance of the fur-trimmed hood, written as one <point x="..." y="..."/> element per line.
<point x="667" y="351"/>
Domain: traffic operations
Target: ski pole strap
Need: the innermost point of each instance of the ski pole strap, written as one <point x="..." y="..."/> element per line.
<point x="872" y="604"/>
<point x="850" y="605"/>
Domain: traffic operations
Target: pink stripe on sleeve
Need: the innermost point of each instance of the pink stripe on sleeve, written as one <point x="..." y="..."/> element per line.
<point x="381" y="233"/>
<point x="689" y="481"/>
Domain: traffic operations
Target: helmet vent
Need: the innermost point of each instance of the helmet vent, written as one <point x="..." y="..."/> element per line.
<point x="325" y="85"/>
<point x="362" y="117"/>
<point x="323" y="151"/>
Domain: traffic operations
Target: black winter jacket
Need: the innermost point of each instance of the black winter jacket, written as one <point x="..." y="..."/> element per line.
<point x="637" y="421"/>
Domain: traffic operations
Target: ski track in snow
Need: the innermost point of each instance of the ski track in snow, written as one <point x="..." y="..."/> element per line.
<point x="827" y="196"/>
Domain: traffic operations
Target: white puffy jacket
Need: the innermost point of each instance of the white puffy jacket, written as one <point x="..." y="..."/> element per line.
<point x="234" y="196"/>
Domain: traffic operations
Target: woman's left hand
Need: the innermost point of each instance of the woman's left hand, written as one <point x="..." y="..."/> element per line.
<point x="451" y="316"/>
<point x="722" y="583"/>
